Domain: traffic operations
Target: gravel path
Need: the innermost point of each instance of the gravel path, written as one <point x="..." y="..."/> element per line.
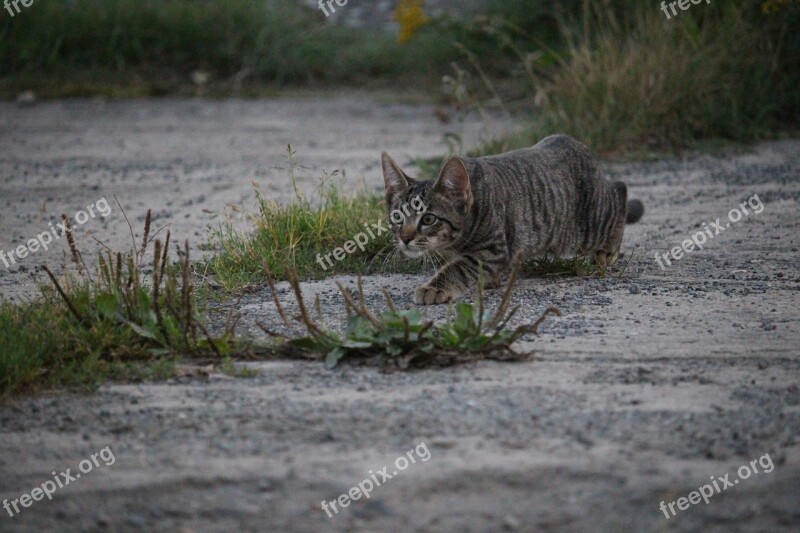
<point x="651" y="383"/>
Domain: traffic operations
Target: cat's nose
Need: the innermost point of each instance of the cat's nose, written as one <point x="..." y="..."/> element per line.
<point x="406" y="240"/>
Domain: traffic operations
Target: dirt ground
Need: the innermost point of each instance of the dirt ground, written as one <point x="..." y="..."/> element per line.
<point x="651" y="385"/>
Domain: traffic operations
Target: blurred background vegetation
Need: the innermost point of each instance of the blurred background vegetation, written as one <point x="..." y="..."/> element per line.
<point x="615" y="73"/>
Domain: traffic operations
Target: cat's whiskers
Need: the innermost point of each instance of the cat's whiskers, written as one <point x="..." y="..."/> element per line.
<point x="389" y="257"/>
<point x="437" y="259"/>
<point x="378" y="254"/>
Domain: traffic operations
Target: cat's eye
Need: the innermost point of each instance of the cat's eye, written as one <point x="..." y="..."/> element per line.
<point x="428" y="219"/>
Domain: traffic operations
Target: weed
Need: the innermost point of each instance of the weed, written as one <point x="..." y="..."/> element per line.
<point x="403" y="338"/>
<point x="108" y="321"/>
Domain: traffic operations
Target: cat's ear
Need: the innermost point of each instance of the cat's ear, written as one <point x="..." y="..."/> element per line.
<point x="453" y="183"/>
<point x="394" y="179"/>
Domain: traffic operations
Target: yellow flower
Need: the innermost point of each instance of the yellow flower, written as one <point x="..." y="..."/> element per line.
<point x="410" y="14"/>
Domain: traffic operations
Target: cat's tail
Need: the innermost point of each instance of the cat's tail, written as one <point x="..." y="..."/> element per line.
<point x="635" y="211"/>
<point x="635" y="207"/>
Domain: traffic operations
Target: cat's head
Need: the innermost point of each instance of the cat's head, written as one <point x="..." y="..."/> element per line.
<point x="426" y="215"/>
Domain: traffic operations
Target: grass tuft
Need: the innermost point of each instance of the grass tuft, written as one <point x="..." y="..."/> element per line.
<point x="298" y="235"/>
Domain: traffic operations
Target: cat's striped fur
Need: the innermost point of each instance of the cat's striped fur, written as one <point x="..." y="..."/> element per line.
<point x="548" y="199"/>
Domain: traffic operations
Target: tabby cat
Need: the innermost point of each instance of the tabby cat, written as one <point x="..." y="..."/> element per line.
<point x="548" y="199"/>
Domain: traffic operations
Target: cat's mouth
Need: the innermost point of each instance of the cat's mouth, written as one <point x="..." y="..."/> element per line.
<point x="411" y="249"/>
<point x="413" y="253"/>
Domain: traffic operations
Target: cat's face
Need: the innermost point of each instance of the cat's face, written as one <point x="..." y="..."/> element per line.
<point x="426" y="215"/>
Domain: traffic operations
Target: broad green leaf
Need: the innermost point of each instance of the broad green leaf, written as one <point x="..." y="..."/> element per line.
<point x="148" y="333"/>
<point x="465" y="319"/>
<point x="333" y="357"/>
<point x="357" y="345"/>
<point x="360" y="328"/>
<point x="394" y="350"/>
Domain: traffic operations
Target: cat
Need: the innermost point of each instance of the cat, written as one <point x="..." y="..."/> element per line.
<point x="491" y="211"/>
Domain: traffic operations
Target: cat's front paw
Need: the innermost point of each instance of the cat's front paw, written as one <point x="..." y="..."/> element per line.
<point x="428" y="295"/>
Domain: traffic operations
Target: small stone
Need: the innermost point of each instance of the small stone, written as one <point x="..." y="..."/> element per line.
<point x="511" y="523"/>
<point x="26" y="99"/>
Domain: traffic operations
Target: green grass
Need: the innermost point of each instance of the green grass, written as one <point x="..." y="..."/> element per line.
<point x="291" y="237"/>
<point x="44" y="348"/>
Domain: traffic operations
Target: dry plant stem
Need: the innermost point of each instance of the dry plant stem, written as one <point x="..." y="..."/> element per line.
<point x="164" y="256"/>
<point x="349" y="303"/>
<point x="549" y="311"/>
<point x="505" y="321"/>
<point x="134" y="281"/>
<point x="186" y="292"/>
<point x="105" y="271"/>
<point x="232" y="319"/>
<point x="501" y="310"/>
<point x="425" y="328"/>
<point x="76" y="255"/>
<point x="275" y="299"/>
<point x="318" y="307"/>
<point x="209" y="338"/>
<point x="64" y="296"/>
<point x="156" y="284"/>
<point x="534" y="328"/>
<point x="271" y="333"/>
<point x="363" y="302"/>
<point x="119" y="269"/>
<point x="389" y="301"/>
<point x="127" y="221"/>
<point x="359" y="309"/>
<point x="147" y="220"/>
<point x="125" y="292"/>
<point x="304" y="316"/>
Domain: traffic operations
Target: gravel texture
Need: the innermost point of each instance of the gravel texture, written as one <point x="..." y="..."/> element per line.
<point x="652" y="381"/>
